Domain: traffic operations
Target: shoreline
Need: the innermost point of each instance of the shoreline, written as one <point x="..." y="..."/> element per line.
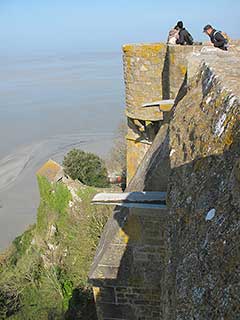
<point x="19" y="197"/>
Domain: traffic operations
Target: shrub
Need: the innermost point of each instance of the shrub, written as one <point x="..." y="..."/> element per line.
<point x="86" y="167"/>
<point x="9" y="301"/>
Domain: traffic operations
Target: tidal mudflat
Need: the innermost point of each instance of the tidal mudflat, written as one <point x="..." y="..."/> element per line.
<point x="49" y="105"/>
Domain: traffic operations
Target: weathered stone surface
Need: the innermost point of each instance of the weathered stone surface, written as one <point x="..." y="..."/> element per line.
<point x="143" y="85"/>
<point x="153" y="172"/>
<point x="135" y="154"/>
<point x="150" y="114"/>
<point x="151" y="72"/>
<point x="143" y="67"/>
<point x="177" y="59"/>
<point x="51" y="170"/>
<point x="203" y="191"/>
<point x="129" y="266"/>
<point x="183" y="262"/>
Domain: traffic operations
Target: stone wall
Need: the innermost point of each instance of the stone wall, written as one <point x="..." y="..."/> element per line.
<point x="143" y="70"/>
<point x="152" y="72"/>
<point x="153" y="172"/>
<point x="182" y="262"/>
<point x="178" y="61"/>
<point x="149" y="68"/>
<point x="130" y="270"/>
<point x="204" y="190"/>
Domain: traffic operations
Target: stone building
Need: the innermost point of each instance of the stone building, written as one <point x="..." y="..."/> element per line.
<point x="179" y="260"/>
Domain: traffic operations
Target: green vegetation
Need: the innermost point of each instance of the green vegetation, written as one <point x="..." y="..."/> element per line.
<point x="86" y="167"/>
<point x="44" y="273"/>
<point x="56" y="196"/>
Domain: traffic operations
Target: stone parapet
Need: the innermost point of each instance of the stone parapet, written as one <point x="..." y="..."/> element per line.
<point x="181" y="262"/>
<point x="177" y="68"/>
<point x="204" y="189"/>
<point x="143" y="68"/>
<point x="153" y="72"/>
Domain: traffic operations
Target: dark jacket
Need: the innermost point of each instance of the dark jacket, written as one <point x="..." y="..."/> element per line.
<point x="184" y="37"/>
<point x="218" y="40"/>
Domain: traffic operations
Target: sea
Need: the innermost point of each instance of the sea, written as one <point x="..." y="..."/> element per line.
<point x="50" y="104"/>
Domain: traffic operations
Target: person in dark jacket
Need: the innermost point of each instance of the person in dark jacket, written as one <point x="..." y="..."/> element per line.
<point x="185" y="37"/>
<point x="216" y="37"/>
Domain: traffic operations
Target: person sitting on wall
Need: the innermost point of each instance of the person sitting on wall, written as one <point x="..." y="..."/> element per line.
<point x="185" y="37"/>
<point x="218" y="38"/>
<point x="173" y="35"/>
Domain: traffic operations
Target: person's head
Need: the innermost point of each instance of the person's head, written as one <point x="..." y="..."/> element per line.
<point x="179" y="25"/>
<point x="208" y="29"/>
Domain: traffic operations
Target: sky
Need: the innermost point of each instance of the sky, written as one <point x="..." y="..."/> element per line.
<point x="52" y="26"/>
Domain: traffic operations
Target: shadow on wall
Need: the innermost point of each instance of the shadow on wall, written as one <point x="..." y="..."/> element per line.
<point x="155" y="263"/>
<point x="81" y="306"/>
<point x="166" y="85"/>
<point x="153" y="173"/>
<point x="127" y="279"/>
<point x="166" y="77"/>
<point x="204" y="197"/>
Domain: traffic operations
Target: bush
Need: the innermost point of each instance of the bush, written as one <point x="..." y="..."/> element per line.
<point x="9" y="301"/>
<point x="86" y="167"/>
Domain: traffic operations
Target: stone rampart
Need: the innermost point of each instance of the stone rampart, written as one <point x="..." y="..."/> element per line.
<point x="204" y="190"/>
<point x="182" y="262"/>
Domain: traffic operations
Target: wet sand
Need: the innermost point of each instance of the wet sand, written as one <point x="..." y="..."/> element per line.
<point x="47" y="107"/>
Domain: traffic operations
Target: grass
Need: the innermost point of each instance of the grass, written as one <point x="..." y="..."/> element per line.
<point x="46" y="273"/>
<point x="56" y="196"/>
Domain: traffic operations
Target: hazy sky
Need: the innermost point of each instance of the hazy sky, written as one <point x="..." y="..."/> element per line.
<point x="92" y="25"/>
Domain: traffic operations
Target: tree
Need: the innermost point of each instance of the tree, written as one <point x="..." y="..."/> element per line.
<point x="86" y="167"/>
